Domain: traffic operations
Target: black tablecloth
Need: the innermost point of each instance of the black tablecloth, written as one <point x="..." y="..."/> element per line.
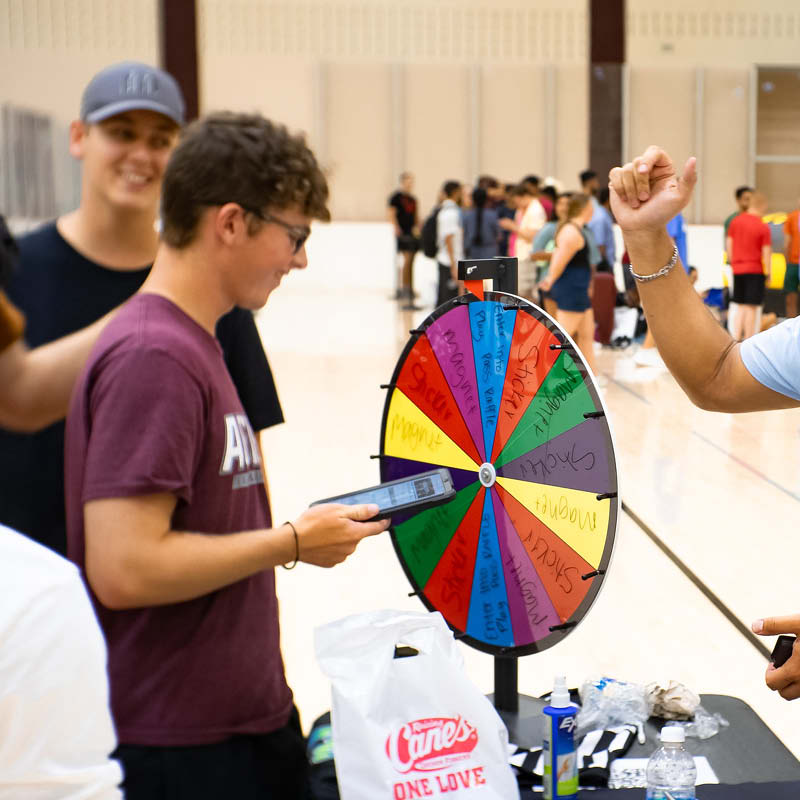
<point x="738" y="791"/>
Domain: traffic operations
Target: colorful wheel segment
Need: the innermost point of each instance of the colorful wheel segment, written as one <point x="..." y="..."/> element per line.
<point x="494" y="390"/>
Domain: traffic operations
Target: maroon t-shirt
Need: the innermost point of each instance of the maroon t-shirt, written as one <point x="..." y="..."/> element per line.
<point x="155" y="410"/>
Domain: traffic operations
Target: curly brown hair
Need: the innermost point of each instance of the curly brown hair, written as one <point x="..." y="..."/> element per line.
<point x="227" y="157"/>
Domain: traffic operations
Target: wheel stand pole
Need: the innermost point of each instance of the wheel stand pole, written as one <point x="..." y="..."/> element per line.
<point x="506" y="691"/>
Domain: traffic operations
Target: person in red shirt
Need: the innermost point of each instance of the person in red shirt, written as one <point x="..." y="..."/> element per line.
<point x="749" y="248"/>
<point x="791" y="245"/>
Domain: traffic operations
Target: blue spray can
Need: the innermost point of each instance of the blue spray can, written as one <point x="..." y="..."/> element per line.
<point x="560" y="759"/>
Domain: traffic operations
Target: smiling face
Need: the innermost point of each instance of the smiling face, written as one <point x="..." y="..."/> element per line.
<point x="124" y="158"/>
<point x="264" y="253"/>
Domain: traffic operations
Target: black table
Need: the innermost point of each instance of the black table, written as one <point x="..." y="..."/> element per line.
<point x="746" y="752"/>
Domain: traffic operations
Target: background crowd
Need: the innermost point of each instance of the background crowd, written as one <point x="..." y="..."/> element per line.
<point x="564" y="239"/>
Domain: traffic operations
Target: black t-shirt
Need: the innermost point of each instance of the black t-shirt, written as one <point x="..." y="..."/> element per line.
<point x="405" y="205"/>
<point x="505" y="212"/>
<point x="60" y="292"/>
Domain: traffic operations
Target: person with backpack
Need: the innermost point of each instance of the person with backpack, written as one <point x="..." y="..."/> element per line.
<point x="402" y="212"/>
<point x="450" y="241"/>
<point x="427" y="234"/>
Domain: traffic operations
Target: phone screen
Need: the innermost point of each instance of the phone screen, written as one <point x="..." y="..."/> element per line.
<point x="399" y="494"/>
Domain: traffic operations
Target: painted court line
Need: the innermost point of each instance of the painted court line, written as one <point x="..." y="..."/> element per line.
<point x="692" y="576"/>
<point x="747" y="466"/>
<point x="718" y="448"/>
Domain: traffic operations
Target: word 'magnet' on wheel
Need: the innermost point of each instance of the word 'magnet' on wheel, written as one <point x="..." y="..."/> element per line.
<point x="493" y="390"/>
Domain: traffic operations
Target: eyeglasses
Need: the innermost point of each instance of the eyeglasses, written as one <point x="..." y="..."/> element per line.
<point x="297" y="233"/>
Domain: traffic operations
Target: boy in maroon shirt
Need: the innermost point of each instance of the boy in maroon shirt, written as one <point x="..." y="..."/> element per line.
<point x="166" y="510"/>
<point x="749" y="247"/>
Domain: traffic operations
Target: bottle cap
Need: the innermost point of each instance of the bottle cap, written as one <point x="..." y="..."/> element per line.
<point x="560" y="695"/>
<point x="673" y="733"/>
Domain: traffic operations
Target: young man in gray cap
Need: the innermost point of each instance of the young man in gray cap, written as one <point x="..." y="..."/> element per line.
<point x="76" y="269"/>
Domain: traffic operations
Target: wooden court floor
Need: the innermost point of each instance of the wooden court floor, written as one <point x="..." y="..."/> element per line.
<point x="716" y="498"/>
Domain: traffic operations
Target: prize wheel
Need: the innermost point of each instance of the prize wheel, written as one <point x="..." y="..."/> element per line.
<point x="495" y="391"/>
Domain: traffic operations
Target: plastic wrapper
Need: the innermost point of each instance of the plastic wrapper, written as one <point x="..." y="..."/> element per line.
<point x="704" y="725"/>
<point x="607" y="702"/>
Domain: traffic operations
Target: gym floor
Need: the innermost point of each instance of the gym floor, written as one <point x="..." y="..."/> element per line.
<point x="705" y="547"/>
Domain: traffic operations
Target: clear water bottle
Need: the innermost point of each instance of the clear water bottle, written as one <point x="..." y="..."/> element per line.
<point x="671" y="772"/>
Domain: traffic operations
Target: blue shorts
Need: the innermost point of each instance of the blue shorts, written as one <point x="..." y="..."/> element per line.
<point x="571" y="290"/>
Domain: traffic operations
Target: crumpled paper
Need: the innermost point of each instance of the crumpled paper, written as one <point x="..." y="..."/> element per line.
<point x="674" y="701"/>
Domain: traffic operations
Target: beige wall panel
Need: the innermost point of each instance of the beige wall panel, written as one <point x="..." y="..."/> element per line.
<point x="280" y="88"/>
<point x="662" y="112"/>
<point x="712" y="32"/>
<point x="447" y="31"/>
<point x="779" y="111"/>
<point x="781" y="184"/>
<point x="512" y="128"/>
<point x="437" y="127"/>
<point x="725" y="152"/>
<point x="49" y="51"/>
<point x="358" y="140"/>
<point x="572" y="124"/>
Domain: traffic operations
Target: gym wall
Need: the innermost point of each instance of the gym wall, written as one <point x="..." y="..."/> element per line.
<point x="446" y="88"/>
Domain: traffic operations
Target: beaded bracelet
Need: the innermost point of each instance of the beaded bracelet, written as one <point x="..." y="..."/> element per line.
<point x="663" y="271"/>
<point x="296" y="547"/>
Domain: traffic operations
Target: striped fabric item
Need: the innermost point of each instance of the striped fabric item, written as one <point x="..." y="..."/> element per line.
<point x="595" y="754"/>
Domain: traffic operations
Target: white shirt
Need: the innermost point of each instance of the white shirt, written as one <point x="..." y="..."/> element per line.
<point x="772" y="357"/>
<point x="533" y="219"/>
<point x="56" y="732"/>
<point x="449" y="222"/>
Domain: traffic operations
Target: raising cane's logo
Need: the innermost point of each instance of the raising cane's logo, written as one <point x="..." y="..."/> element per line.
<point x="430" y="744"/>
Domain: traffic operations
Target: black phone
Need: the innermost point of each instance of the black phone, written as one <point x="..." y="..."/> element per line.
<point x="782" y="650"/>
<point x="415" y="493"/>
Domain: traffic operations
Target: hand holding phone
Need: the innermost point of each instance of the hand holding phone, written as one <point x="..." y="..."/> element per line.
<point x="782" y="650"/>
<point x="414" y="493"/>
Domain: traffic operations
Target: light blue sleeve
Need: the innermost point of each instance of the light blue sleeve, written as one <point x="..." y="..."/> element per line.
<point x="542" y="239"/>
<point x="773" y="357"/>
<point x="595" y="225"/>
<point x="608" y="240"/>
<point x="676" y="228"/>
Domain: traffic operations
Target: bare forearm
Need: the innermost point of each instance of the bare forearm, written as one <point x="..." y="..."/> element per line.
<point x="182" y="566"/>
<point x="134" y="558"/>
<point x="645" y="194"/>
<point x="691" y="342"/>
<point x="391" y="215"/>
<point x="37" y="384"/>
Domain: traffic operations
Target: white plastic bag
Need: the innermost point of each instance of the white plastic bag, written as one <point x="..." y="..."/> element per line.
<point x="411" y="727"/>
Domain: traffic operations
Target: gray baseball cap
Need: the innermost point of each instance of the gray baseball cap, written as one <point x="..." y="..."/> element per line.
<point x="131" y="86"/>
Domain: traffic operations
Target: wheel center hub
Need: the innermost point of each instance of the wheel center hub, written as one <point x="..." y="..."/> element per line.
<point x="487" y="475"/>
